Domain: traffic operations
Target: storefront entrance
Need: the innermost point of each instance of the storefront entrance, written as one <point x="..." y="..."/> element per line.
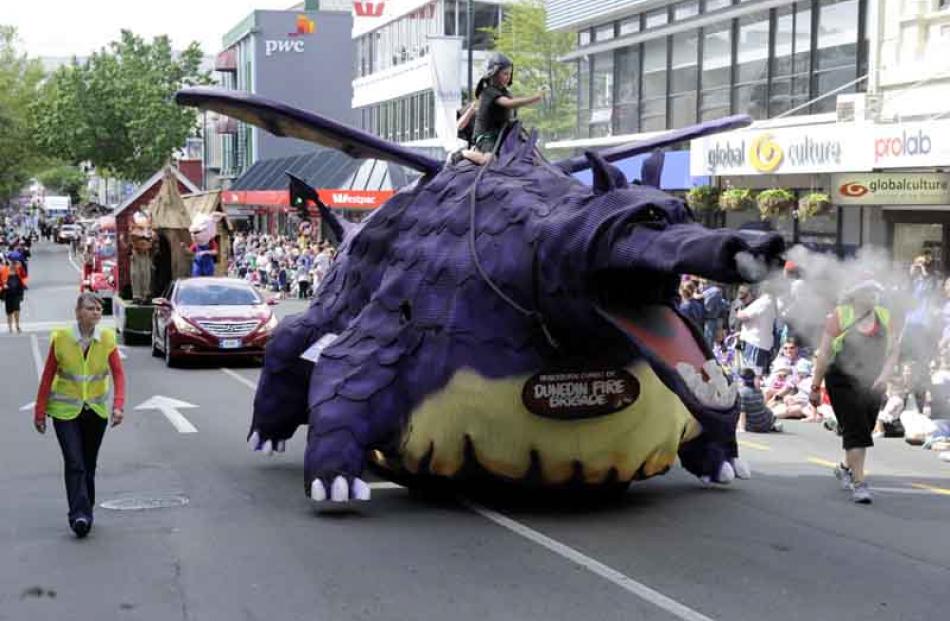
<point x="913" y="233"/>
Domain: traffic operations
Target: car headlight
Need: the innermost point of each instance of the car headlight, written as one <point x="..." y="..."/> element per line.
<point x="184" y="326"/>
<point x="270" y="324"/>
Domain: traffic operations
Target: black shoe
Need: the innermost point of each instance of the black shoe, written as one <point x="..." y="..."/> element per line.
<point x="81" y="527"/>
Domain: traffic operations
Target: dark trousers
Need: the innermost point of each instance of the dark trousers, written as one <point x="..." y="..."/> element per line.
<point x="79" y="440"/>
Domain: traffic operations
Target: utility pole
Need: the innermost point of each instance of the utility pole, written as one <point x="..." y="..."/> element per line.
<point x="469" y="35"/>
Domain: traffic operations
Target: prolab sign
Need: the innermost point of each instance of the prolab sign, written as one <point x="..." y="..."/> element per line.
<point x="580" y="394"/>
<point x="295" y="44"/>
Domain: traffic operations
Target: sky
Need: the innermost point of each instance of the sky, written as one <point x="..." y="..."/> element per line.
<point x="78" y="27"/>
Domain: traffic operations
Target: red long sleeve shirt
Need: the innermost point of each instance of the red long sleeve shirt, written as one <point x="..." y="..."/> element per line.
<point x="49" y="373"/>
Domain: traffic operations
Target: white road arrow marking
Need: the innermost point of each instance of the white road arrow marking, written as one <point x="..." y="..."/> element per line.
<point x="122" y="354"/>
<point x="169" y="407"/>
<point x="28" y="406"/>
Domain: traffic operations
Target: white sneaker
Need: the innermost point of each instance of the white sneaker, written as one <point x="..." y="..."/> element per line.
<point x="843" y="474"/>
<point x="861" y="493"/>
<point x="944" y="456"/>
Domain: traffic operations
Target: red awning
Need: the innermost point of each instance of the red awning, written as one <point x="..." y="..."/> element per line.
<point x="226" y="60"/>
<point x="340" y="199"/>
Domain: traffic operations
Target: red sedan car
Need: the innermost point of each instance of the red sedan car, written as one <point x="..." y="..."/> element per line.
<point x="211" y="317"/>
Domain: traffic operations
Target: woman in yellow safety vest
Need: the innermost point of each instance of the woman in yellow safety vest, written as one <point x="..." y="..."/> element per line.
<point x="857" y="354"/>
<point x="74" y="392"/>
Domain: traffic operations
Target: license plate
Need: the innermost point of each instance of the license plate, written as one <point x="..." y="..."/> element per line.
<point x="230" y="343"/>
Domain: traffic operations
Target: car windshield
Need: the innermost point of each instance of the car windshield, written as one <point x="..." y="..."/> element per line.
<point x="217" y="295"/>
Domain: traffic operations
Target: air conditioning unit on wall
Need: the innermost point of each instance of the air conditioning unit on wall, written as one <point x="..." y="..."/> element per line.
<point x="857" y="107"/>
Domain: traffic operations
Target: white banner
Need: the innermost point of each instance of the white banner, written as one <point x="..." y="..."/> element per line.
<point x="826" y="148"/>
<point x="891" y="189"/>
<point x="444" y="59"/>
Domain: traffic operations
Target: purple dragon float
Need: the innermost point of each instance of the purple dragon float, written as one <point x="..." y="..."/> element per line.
<point x="505" y="321"/>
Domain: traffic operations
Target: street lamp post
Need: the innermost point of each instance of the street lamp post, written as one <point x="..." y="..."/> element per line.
<point x="469" y="35"/>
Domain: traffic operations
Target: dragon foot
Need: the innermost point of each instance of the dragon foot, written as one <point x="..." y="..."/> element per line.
<point x="728" y="472"/>
<point x="340" y="491"/>
<point x="266" y="446"/>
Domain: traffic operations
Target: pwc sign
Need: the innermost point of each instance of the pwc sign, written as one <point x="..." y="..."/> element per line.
<point x="304" y="26"/>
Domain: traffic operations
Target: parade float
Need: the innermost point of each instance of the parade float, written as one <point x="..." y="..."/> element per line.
<point x="502" y="323"/>
<point x="152" y="241"/>
<point x="99" y="261"/>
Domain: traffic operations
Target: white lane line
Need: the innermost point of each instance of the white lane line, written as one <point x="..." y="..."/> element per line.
<point x="37" y="359"/>
<point x="249" y="383"/>
<point x="73" y="263"/>
<point x="47" y="326"/>
<point x="625" y="582"/>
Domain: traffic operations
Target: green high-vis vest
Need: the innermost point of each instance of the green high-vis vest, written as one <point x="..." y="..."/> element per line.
<point x="80" y="380"/>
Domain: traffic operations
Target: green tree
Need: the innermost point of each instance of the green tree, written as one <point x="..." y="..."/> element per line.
<point x="116" y="110"/>
<point x="20" y="77"/>
<point x="522" y="36"/>
<point x="64" y="179"/>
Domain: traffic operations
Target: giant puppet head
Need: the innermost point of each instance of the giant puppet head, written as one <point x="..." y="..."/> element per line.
<point x="203" y="228"/>
<point x="505" y="321"/>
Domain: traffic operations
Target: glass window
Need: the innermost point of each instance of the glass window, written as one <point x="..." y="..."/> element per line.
<point x="603" y="81"/>
<point x="653" y="104"/>
<point x="837" y="46"/>
<point x="657" y="18"/>
<point x="583" y="38"/>
<point x="583" y="80"/>
<point x="752" y="65"/>
<point x="715" y="5"/>
<point x="632" y="25"/>
<point x="684" y="77"/>
<point x="685" y="10"/>
<point x="604" y="33"/>
<point x="627" y="109"/>
<point x="716" y="76"/>
<point x="790" y="65"/>
<point x="450" y="17"/>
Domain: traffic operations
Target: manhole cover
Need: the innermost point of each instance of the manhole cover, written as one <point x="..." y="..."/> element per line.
<point x="142" y="503"/>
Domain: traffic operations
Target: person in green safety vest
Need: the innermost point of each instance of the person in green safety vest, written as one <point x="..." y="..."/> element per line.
<point x="74" y="392"/>
<point x="858" y="352"/>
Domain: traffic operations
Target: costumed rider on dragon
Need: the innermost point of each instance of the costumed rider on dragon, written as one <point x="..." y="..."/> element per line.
<point x="503" y="322"/>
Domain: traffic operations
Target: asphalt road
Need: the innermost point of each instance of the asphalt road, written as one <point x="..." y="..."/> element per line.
<point x="787" y="544"/>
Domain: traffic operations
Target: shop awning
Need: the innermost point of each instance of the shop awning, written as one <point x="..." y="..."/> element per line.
<point x="341" y="181"/>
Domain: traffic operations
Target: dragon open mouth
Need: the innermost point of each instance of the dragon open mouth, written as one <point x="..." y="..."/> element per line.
<point x="659" y="331"/>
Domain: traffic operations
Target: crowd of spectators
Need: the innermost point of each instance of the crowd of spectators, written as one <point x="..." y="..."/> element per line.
<point x="770" y="350"/>
<point x="279" y="264"/>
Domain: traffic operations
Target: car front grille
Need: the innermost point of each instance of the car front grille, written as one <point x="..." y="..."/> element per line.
<point x="228" y="328"/>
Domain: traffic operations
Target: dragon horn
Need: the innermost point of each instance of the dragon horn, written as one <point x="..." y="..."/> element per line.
<point x="338" y="226"/>
<point x="283" y="120"/>
<point x="575" y="164"/>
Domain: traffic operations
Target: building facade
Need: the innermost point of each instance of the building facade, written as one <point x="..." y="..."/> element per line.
<point x="411" y="66"/>
<point x="849" y="97"/>
<point x="282" y="55"/>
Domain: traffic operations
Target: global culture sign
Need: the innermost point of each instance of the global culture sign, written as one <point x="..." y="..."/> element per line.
<point x="786" y="150"/>
<point x="891" y="189"/>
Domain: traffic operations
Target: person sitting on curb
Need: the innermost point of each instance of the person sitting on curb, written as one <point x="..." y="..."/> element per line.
<point x="754" y="416"/>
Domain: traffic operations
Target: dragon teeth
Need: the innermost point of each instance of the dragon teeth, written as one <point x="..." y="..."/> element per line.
<point x="715" y="392"/>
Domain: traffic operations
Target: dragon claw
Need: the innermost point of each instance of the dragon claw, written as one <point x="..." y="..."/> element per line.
<point x="741" y="468"/>
<point x="340" y="491"/>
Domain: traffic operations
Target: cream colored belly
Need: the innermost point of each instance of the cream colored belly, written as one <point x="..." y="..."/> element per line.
<point x="640" y="440"/>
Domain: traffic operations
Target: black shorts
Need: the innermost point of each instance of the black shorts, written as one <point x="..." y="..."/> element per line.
<point x="856" y="407"/>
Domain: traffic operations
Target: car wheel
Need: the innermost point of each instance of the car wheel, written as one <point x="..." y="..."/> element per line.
<point x="156" y="350"/>
<point x="170" y="361"/>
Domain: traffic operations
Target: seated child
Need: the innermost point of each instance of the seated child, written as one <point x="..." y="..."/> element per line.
<point x="796" y="405"/>
<point x="779" y="383"/>
<point x="753" y="414"/>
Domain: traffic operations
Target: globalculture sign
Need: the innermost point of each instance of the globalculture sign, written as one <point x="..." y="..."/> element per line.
<point x="822" y="149"/>
<point x="891" y="189"/>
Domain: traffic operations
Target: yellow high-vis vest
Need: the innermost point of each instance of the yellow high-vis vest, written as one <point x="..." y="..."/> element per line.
<point x="80" y="380"/>
<point x="846" y="319"/>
